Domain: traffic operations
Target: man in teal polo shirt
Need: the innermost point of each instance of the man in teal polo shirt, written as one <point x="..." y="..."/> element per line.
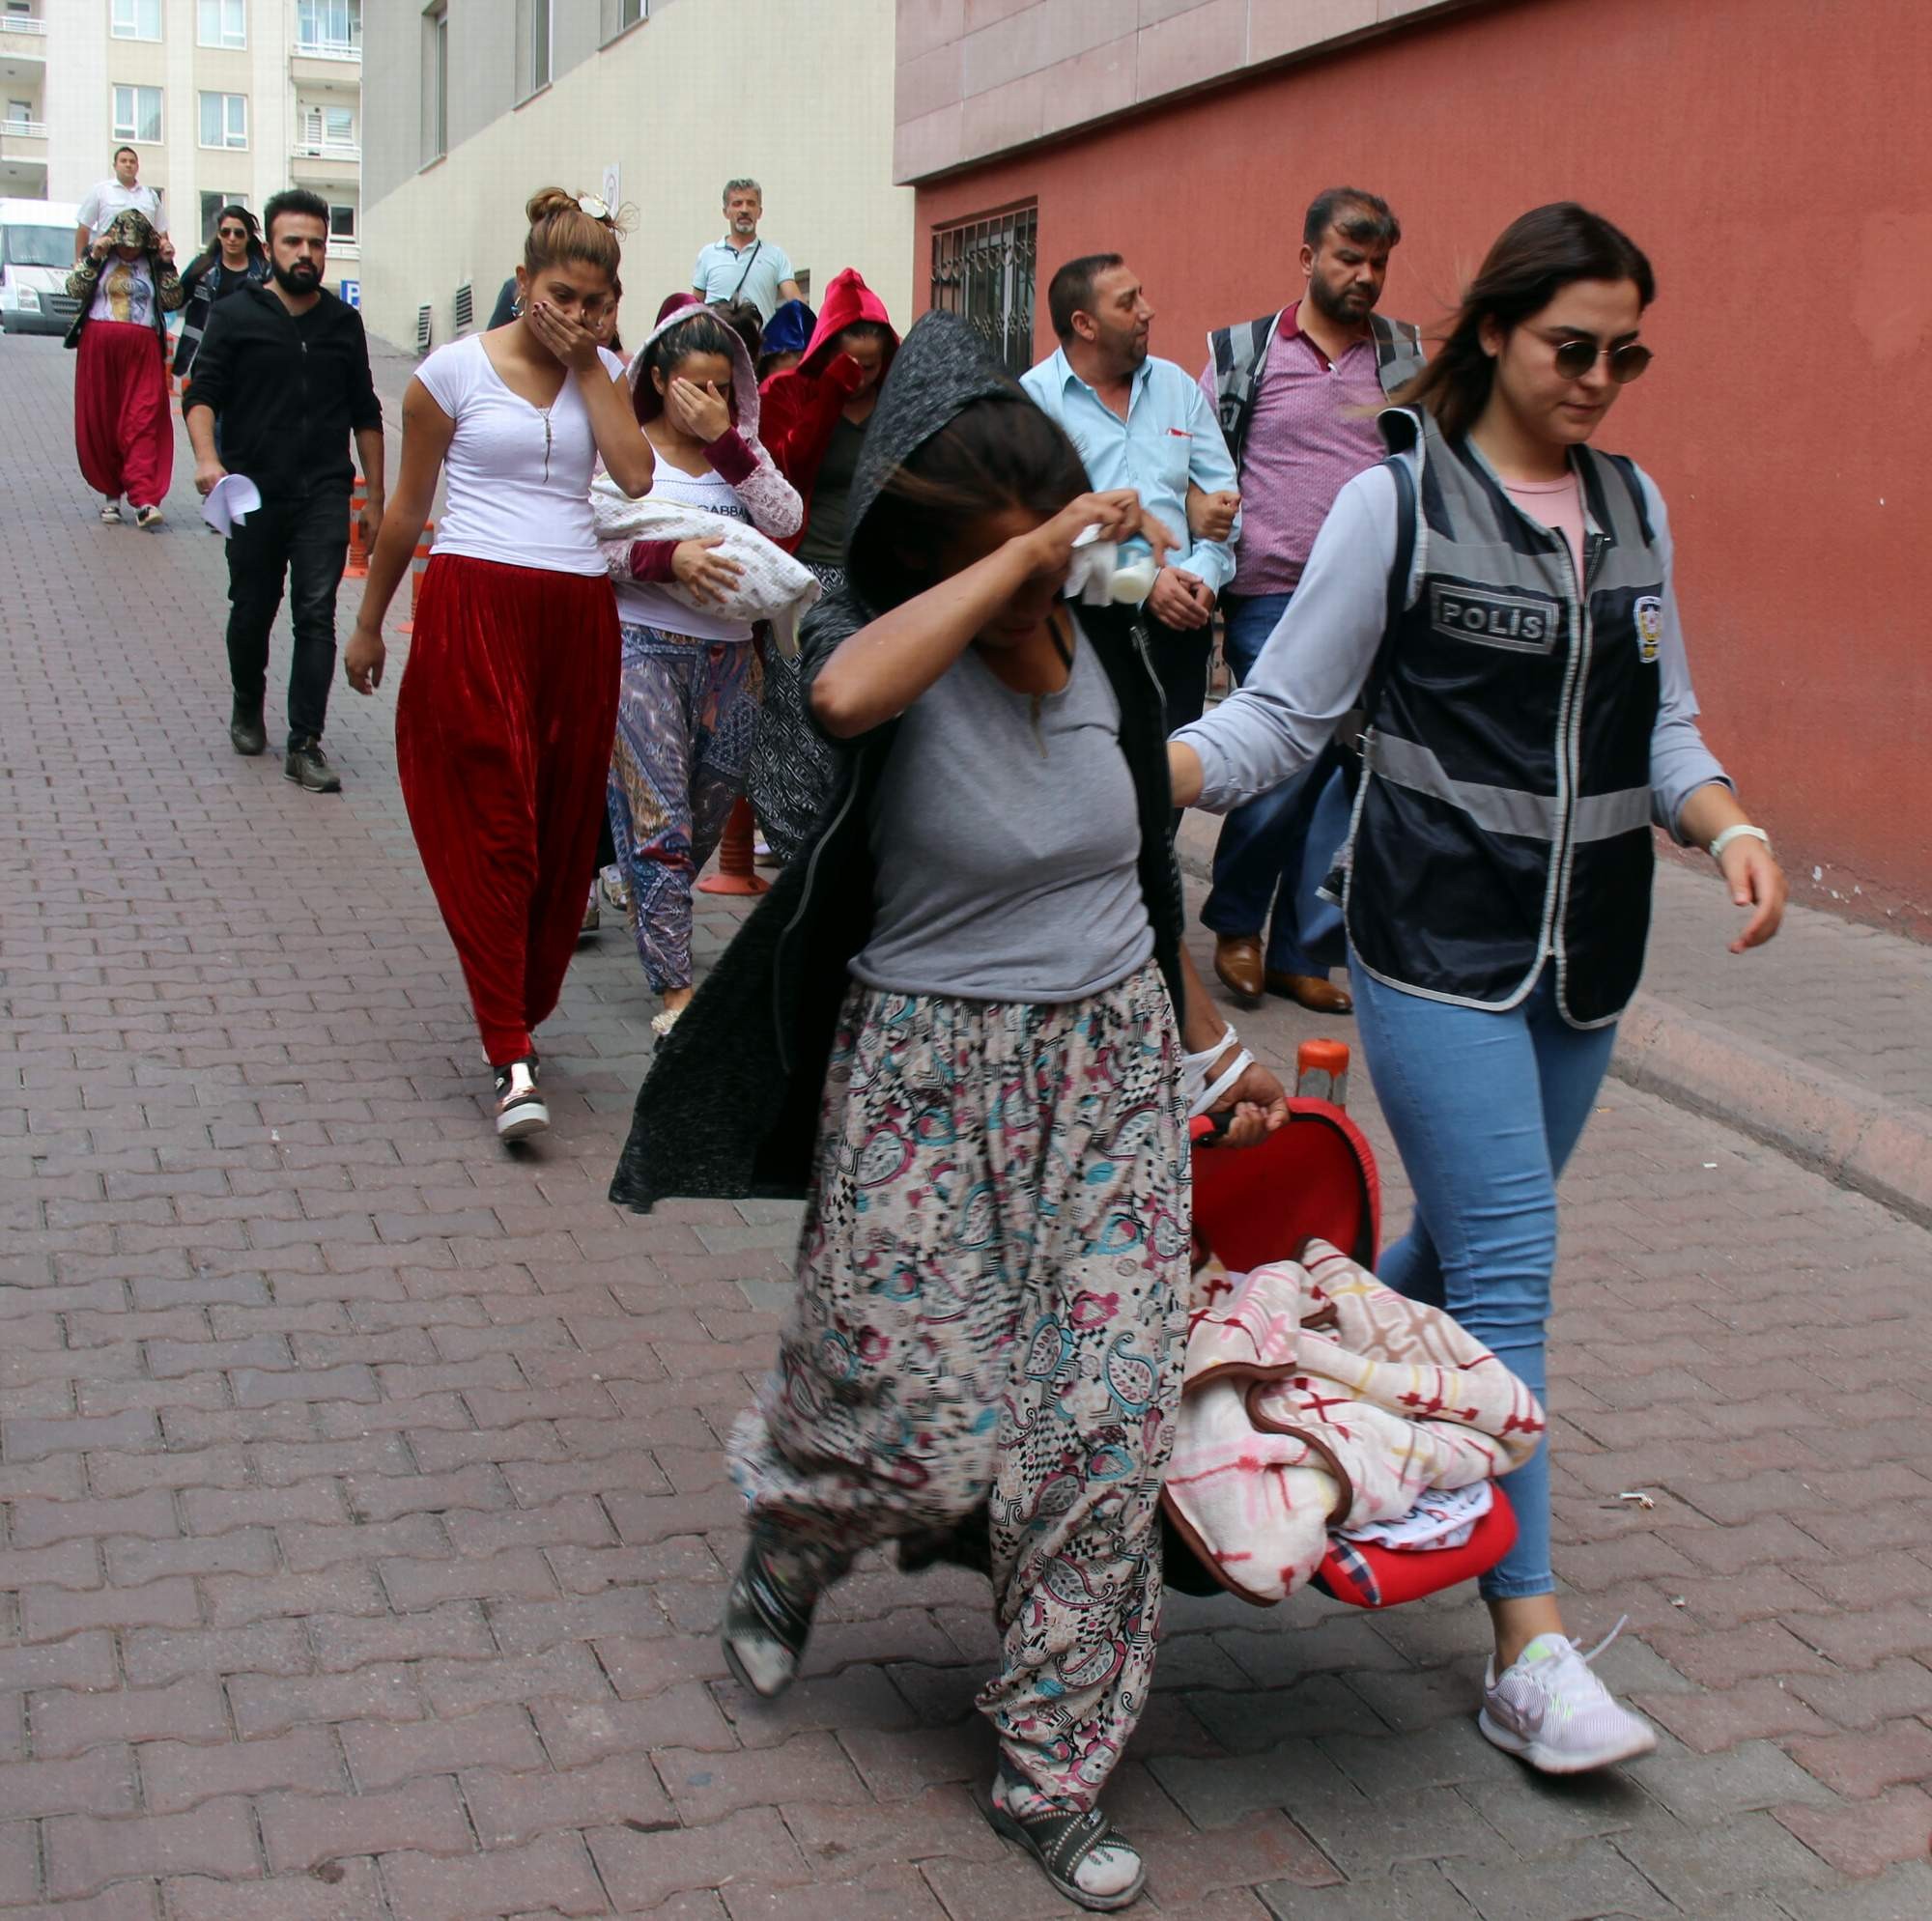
<point x="1142" y="422"/>
<point x="741" y="266"/>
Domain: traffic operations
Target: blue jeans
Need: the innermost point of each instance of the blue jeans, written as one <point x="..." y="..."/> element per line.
<point x="1267" y="863"/>
<point x="1484" y="1108"/>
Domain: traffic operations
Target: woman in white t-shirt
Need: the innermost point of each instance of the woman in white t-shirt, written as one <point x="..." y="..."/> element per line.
<point x="689" y="687"/>
<point x="504" y="722"/>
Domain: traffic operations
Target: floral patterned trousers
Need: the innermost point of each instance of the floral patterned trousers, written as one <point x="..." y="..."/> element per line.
<point x="685" y="713"/>
<point x="991" y="1314"/>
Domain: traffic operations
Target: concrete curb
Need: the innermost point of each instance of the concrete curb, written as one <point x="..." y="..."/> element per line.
<point x="1817" y="1118"/>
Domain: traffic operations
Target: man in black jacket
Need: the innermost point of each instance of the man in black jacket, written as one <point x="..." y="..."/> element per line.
<point x="286" y="367"/>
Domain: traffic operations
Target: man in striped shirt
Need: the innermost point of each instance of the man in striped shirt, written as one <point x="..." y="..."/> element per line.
<point x="1296" y="395"/>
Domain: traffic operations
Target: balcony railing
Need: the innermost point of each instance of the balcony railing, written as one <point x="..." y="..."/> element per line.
<point x="325" y="150"/>
<point x="328" y="50"/>
<point x="22" y="23"/>
<point x="26" y="129"/>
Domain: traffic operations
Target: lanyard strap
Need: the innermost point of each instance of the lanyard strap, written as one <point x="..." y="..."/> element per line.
<point x="746" y="275"/>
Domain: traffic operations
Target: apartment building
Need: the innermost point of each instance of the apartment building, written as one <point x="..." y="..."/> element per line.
<point x="473" y="105"/>
<point x="224" y="99"/>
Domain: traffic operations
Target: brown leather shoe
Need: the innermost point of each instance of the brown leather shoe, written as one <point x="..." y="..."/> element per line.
<point x="1237" y="960"/>
<point x="1316" y="995"/>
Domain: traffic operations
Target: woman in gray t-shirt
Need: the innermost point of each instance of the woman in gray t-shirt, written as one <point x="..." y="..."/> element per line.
<point x="990" y="1312"/>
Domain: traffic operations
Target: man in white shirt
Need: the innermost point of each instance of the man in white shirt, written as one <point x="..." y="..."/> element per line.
<point x="741" y="266"/>
<point x="106" y="198"/>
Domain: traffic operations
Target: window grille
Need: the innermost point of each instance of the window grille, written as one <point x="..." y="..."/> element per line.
<point x="466" y="307"/>
<point x="984" y="270"/>
<point x="423" y="316"/>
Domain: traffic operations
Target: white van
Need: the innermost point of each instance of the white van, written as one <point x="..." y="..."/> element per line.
<point x="36" y="257"/>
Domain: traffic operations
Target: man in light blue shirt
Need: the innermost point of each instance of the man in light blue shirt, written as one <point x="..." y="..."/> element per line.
<point x="741" y="266"/>
<point x="1142" y="423"/>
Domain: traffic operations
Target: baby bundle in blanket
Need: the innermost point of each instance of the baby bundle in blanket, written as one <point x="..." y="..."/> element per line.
<point x="772" y="585"/>
<point x="1317" y="1399"/>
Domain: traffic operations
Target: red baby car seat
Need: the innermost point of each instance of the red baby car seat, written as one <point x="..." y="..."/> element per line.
<point x="1316" y="1176"/>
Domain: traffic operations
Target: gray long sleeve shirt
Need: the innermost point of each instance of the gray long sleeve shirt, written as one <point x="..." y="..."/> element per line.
<point x="1316" y="662"/>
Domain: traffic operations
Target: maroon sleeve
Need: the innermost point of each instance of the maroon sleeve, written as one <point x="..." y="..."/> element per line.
<point x="731" y="458"/>
<point x="650" y="559"/>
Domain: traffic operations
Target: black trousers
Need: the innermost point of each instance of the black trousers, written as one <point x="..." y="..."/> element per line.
<point x="1180" y="657"/>
<point x="306" y="539"/>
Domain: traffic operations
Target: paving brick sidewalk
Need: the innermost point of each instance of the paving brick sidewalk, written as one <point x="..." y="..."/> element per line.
<point x="365" y="1533"/>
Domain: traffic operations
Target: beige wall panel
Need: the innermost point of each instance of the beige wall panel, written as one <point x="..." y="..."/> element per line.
<point x="798" y="93"/>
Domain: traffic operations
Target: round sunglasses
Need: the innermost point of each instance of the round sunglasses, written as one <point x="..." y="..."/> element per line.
<point x="1576" y="355"/>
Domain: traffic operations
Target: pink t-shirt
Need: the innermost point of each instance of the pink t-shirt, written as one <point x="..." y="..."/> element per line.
<point x="1559" y="505"/>
<point x="1313" y="431"/>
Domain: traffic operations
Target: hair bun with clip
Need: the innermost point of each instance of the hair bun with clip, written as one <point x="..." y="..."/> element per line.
<point x="589" y="203"/>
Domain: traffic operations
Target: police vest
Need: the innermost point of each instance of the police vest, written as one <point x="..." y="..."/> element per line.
<point x="1504" y="818"/>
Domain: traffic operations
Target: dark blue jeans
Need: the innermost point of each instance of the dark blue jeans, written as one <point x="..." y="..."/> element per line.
<point x="308" y="539"/>
<point x="1267" y="863"/>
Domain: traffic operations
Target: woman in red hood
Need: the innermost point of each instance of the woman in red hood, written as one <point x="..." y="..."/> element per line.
<point x="814" y="425"/>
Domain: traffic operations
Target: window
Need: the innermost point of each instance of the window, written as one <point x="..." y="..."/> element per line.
<point x="532" y="46"/>
<point x="327" y="130"/>
<point x="341" y="221"/>
<point x="329" y="27"/>
<point x="224" y="120"/>
<point x="436" y="83"/>
<point x="136" y="19"/>
<point x="327" y="126"/>
<point x="984" y="271"/>
<point x="137" y="113"/>
<point x="621" y="14"/>
<point x="211" y="204"/>
<point x="223" y="23"/>
<point x="19" y="113"/>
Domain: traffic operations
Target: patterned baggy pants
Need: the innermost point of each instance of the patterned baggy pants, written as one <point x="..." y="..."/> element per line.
<point x="991" y="1312"/>
<point x="685" y="713"/>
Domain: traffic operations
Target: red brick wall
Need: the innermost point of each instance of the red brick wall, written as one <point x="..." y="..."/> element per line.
<point x="1774" y="158"/>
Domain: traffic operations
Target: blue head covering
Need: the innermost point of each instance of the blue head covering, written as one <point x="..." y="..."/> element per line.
<point x="789" y="329"/>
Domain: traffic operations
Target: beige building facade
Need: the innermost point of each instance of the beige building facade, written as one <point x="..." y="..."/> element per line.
<point x="224" y="99"/>
<point x="473" y="104"/>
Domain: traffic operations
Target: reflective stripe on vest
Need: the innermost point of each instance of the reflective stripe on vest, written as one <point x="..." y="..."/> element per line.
<point x="1504" y="817"/>
<point x="1507" y="809"/>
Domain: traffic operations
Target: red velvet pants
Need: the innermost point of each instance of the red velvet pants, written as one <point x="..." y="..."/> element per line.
<point x="122" y="428"/>
<point x="504" y="729"/>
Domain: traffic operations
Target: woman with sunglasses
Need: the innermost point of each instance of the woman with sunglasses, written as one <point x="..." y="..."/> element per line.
<point x="1497" y="596"/>
<point x="235" y="258"/>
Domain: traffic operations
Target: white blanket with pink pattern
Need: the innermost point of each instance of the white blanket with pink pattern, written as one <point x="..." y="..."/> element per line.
<point x="1316" y="1397"/>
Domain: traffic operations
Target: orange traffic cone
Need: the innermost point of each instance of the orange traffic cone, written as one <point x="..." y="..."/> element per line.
<point x="359" y="553"/>
<point x="419" y="562"/>
<point x="735" y="872"/>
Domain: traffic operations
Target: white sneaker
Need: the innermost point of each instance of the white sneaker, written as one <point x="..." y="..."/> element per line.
<point x="111" y="513"/>
<point x="1548" y="1709"/>
<point x="520" y="1108"/>
<point x="148" y="517"/>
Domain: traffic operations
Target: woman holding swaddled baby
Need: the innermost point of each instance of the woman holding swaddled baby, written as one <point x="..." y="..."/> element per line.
<point x="689" y="690"/>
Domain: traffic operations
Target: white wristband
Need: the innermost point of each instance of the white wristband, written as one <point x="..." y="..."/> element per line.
<point x="1741" y="832"/>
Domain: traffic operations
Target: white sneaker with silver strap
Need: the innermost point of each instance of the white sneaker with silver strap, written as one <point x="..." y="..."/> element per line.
<point x="1548" y="1709"/>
